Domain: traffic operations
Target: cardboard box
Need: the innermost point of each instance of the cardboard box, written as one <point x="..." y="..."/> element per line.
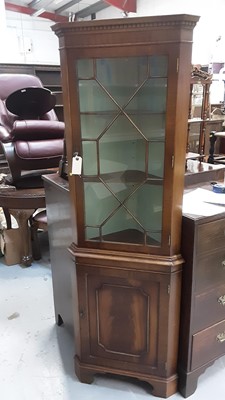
<point x="11" y="245"/>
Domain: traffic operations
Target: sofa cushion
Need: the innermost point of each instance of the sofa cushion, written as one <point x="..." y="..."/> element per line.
<point x="39" y="149"/>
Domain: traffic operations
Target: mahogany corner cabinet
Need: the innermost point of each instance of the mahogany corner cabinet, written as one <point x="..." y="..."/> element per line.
<point x="126" y="93"/>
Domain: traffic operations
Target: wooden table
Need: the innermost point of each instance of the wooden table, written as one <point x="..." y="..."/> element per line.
<point x="202" y="173"/>
<point x="21" y="204"/>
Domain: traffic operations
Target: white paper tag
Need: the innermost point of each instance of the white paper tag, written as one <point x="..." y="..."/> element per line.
<point x="76" y="165"/>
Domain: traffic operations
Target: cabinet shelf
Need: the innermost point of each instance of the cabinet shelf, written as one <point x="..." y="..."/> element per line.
<point x="128" y="236"/>
<point x="125" y="176"/>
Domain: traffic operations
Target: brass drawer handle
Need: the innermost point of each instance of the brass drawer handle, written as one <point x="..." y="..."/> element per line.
<point x="223" y="264"/>
<point x="221" y="337"/>
<point x="221" y="300"/>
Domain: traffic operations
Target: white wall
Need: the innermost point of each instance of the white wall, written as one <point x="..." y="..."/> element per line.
<point x="210" y="26"/>
<point x="29" y="40"/>
<point x="2" y="26"/>
<point x="23" y="31"/>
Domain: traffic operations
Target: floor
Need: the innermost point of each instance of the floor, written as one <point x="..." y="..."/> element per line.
<point x="36" y="356"/>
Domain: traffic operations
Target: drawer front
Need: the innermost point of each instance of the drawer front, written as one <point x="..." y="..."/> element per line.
<point x="208" y="345"/>
<point x="209" y="308"/>
<point x="211" y="236"/>
<point x="210" y="270"/>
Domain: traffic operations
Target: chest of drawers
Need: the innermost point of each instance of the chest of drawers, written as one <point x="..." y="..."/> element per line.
<point x="202" y="329"/>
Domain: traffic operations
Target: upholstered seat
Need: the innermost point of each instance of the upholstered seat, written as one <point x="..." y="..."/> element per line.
<point x="30" y="133"/>
<point x="32" y="139"/>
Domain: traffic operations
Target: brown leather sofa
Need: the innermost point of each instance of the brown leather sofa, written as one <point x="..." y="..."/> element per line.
<point x="30" y="133"/>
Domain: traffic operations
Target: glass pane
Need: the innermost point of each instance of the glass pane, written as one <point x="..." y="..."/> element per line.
<point x="121" y="76"/>
<point x="122" y="186"/>
<point x="89" y="158"/>
<point x="122" y="228"/>
<point x="85" y="69"/>
<point x="154" y="238"/>
<point x="93" y="98"/>
<point x="145" y="215"/>
<point x="92" y="125"/>
<point x="99" y="203"/>
<point x="146" y="205"/>
<point x="156" y="159"/>
<point x="122" y="148"/>
<point x="151" y="97"/>
<point x="158" y="66"/>
<point x="152" y="125"/>
<point x="92" y="233"/>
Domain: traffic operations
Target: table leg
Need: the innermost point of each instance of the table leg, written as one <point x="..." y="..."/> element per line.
<point x="22" y="217"/>
<point x="7" y="218"/>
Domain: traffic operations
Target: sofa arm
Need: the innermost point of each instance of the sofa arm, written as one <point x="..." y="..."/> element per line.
<point x="37" y="130"/>
<point x="4" y="134"/>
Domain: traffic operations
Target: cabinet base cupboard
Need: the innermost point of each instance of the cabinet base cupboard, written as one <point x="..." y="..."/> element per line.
<point x="126" y="94"/>
<point x="128" y="317"/>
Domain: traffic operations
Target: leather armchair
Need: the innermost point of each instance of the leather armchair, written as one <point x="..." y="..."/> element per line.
<point x="30" y="133"/>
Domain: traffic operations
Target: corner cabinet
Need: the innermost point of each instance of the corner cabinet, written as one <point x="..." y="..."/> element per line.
<point x="126" y="93"/>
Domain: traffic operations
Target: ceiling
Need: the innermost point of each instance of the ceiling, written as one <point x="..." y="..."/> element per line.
<point x="57" y="10"/>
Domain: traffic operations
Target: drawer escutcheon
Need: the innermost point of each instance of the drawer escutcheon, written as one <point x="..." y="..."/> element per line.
<point x="221" y="300"/>
<point x="221" y="337"/>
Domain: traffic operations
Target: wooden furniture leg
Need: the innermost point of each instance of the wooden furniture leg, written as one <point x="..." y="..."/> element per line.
<point x="212" y="140"/>
<point x="7" y="218"/>
<point x="22" y="217"/>
<point x="39" y="221"/>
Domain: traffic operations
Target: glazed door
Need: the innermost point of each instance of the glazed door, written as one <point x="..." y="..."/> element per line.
<point x="123" y="104"/>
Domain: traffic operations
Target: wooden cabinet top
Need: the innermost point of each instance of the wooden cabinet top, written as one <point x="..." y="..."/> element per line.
<point x="146" y="29"/>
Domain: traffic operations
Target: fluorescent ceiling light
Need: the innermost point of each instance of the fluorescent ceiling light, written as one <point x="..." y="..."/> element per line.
<point x="38" y="12"/>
